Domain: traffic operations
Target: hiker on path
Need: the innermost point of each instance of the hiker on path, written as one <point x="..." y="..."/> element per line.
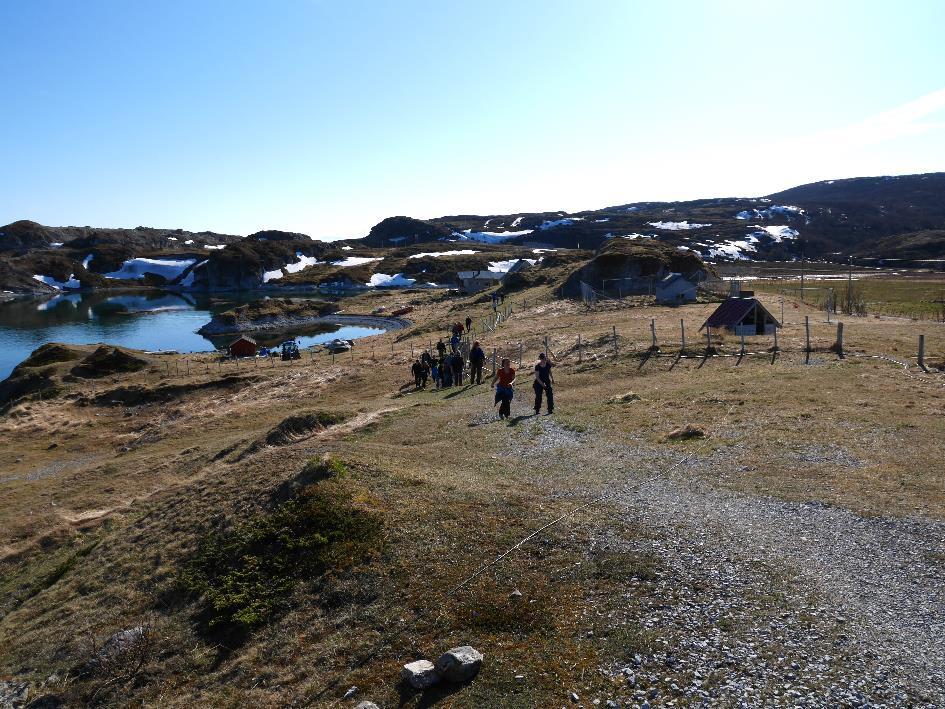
<point x="435" y="372"/>
<point x="454" y="342"/>
<point x="503" y="383"/>
<point x="458" y="364"/>
<point x="446" y="372"/>
<point x="476" y="359"/>
<point x="469" y="324"/>
<point x="495" y="302"/>
<point x="441" y="347"/>
<point x="417" y="370"/>
<point x="544" y="380"/>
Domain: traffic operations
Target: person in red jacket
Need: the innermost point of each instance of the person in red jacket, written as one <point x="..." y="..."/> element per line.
<point x="503" y="383"/>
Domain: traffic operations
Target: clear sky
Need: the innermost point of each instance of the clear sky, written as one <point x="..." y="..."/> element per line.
<point x="325" y="117"/>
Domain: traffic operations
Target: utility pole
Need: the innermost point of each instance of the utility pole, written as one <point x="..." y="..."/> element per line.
<point x="850" y="288"/>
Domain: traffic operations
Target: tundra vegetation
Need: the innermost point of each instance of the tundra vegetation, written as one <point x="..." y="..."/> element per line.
<point x="278" y="535"/>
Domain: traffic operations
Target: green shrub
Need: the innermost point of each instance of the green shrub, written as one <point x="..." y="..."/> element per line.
<point x="245" y="575"/>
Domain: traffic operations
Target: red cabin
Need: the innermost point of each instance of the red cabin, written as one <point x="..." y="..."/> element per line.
<point x="243" y="347"/>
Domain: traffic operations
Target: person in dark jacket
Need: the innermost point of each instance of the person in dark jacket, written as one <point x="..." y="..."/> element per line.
<point x="503" y="383"/>
<point x="468" y="325"/>
<point x="458" y="364"/>
<point x="446" y="371"/>
<point x="417" y="370"/>
<point x="441" y="347"/>
<point x="476" y="359"/>
<point x="544" y="380"/>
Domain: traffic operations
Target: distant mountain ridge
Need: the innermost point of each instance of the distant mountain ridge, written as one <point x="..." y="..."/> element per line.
<point x="883" y="218"/>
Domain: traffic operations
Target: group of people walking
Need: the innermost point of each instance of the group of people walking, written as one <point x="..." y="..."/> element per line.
<point x="542" y="384"/>
<point x="450" y="367"/>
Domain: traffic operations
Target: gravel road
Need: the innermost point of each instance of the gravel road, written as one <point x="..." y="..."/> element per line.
<point x="755" y="601"/>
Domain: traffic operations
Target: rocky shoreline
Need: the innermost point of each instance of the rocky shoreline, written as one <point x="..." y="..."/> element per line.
<point x="285" y="323"/>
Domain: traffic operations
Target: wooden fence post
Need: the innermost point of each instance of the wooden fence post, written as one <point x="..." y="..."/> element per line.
<point x="547" y="351"/>
<point x="840" y="339"/>
<point x="807" y="332"/>
<point x="616" y="350"/>
<point x="653" y="345"/>
<point x="580" y="350"/>
<point x="708" y="341"/>
<point x="519" y="354"/>
<point x="493" y="361"/>
<point x="682" y="335"/>
<point x="776" y="348"/>
<point x="743" y="345"/>
<point x="922" y="353"/>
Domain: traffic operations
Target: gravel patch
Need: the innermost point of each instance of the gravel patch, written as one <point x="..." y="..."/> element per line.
<point x="754" y="601"/>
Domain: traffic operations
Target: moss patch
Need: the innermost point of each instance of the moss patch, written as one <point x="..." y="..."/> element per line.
<point x="245" y="575"/>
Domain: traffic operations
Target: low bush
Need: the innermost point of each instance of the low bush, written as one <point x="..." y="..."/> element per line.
<point x="245" y="575"/>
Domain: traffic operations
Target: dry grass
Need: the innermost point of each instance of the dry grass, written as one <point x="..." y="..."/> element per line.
<point x="96" y="529"/>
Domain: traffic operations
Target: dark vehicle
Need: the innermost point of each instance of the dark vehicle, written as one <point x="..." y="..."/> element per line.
<point x="290" y="350"/>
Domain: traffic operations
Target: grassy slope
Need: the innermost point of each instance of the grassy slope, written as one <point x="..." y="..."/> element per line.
<point x="96" y="545"/>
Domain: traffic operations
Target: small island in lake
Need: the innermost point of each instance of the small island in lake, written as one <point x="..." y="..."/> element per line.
<point x="283" y="314"/>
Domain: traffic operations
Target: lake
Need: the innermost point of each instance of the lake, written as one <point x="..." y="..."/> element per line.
<point x="143" y="321"/>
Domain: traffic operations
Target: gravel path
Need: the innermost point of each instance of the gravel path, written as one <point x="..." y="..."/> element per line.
<point x="754" y="601"/>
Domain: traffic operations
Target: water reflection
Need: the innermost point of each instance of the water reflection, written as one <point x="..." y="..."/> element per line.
<point x="140" y="320"/>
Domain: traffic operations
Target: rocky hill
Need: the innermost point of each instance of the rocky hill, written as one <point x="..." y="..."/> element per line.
<point x="881" y="218"/>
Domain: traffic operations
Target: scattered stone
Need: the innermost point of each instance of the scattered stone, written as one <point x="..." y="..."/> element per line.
<point x="627" y="398"/>
<point x="515" y="594"/>
<point x="686" y="433"/>
<point x="350" y="693"/>
<point x="420" y="674"/>
<point x="460" y="664"/>
<point x="13" y="693"/>
<point x="367" y="705"/>
<point x="574" y="697"/>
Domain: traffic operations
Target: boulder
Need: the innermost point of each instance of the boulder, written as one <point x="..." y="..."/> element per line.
<point x="420" y="674"/>
<point x="460" y="664"/>
<point x="13" y="693"/>
<point x="367" y="705"/>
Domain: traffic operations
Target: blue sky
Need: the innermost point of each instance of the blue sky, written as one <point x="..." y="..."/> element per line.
<point x="325" y="117"/>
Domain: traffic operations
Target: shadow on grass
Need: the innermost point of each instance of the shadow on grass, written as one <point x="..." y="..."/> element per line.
<point x="457" y="392"/>
<point x="515" y="421"/>
<point x="427" y="697"/>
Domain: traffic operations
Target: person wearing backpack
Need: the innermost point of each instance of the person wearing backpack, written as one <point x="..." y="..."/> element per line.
<point x="476" y="360"/>
<point x="503" y="383"/>
<point x="544" y="380"/>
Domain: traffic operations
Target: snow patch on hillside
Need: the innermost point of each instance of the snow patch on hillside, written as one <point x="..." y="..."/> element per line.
<point x="780" y="210"/>
<point x="354" y="261"/>
<point x="214" y="247"/>
<point x="135" y="268"/>
<point x="302" y="263"/>
<point x="86" y="261"/>
<point x="437" y="254"/>
<point x="776" y="233"/>
<point x="384" y="280"/>
<point x="489" y="237"/>
<point x="555" y="223"/>
<point x="677" y="226"/>
<point x="69" y="284"/>
<point x="188" y="280"/>
<point x="505" y="266"/>
<point x="516" y="222"/>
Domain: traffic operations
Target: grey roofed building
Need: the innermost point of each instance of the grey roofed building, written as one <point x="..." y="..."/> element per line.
<point x="474" y="281"/>
<point x="675" y="288"/>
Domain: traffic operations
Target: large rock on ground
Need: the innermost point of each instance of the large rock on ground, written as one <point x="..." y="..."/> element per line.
<point x="420" y="674"/>
<point x="460" y="664"/>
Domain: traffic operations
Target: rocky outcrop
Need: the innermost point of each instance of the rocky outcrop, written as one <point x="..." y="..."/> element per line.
<point x="460" y="664"/>
<point x="401" y="231"/>
<point x="420" y="674"/>
<point x="636" y="263"/>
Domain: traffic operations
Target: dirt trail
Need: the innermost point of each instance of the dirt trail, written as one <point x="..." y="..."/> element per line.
<point x="820" y="605"/>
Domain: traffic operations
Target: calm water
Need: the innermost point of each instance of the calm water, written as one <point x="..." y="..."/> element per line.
<point x="152" y="321"/>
